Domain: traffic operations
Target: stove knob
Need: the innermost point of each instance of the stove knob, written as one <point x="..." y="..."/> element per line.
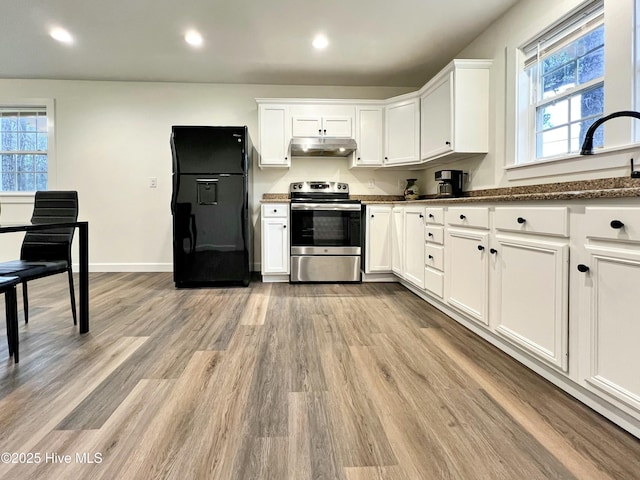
<point x="339" y="186"/>
<point x="295" y="186"/>
<point x="299" y="185"/>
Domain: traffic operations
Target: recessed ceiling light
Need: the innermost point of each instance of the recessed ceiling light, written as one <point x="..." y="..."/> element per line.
<point x="193" y="38"/>
<point x="61" y="35"/>
<point x="320" y="42"/>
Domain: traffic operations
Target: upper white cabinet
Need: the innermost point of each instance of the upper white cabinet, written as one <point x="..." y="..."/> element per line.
<point x="320" y="120"/>
<point x="369" y="136"/>
<point x="275" y="135"/>
<point x="402" y="132"/>
<point x="454" y="118"/>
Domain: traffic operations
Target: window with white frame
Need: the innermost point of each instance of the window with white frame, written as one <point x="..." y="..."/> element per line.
<point x="24" y="148"/>
<point x="562" y="85"/>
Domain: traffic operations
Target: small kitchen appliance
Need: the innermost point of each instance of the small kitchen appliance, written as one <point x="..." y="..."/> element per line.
<point x="450" y="183"/>
<point x="325" y="233"/>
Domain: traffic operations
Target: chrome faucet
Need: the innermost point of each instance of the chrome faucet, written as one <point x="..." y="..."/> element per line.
<point x="587" y="145"/>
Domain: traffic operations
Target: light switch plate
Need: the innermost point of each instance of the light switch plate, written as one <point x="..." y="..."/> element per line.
<point x="153" y="182"/>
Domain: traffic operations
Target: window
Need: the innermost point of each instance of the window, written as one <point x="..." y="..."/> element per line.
<point x="562" y="85"/>
<point x="24" y="149"/>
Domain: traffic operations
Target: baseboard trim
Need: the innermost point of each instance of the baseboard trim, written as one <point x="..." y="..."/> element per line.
<point x="128" y="267"/>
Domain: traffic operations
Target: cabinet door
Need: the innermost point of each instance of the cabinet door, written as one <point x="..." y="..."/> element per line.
<point x="609" y="293"/>
<point x="532" y="292"/>
<point x="275" y="135"/>
<point x="467" y="267"/>
<point x="368" y="136"/>
<point x="306" y="126"/>
<point x="402" y="132"/>
<point x="414" y="245"/>
<point x="275" y="246"/>
<point x="378" y="247"/>
<point x="436" y="120"/>
<point x="337" y="126"/>
<point x="397" y="241"/>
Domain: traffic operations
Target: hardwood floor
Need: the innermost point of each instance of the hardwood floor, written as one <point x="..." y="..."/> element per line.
<point x="279" y="381"/>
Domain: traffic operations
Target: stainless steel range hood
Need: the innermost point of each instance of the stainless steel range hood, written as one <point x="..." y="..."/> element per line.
<point x="322" y="147"/>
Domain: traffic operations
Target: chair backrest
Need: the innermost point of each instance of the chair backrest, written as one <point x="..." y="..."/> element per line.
<point x="54" y="244"/>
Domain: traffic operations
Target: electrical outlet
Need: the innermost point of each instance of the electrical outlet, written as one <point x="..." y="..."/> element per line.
<point x="372" y="184"/>
<point x="153" y="182"/>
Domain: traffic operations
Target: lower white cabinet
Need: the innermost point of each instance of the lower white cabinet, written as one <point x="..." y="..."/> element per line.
<point x="467" y="267"/>
<point x="608" y="278"/>
<point x="397" y="240"/>
<point x="275" y="240"/>
<point x="378" y="241"/>
<point x="414" y="245"/>
<point x="531" y="281"/>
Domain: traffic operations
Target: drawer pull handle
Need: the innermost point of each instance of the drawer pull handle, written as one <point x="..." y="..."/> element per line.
<point x="462" y="217"/>
<point x="480" y="247"/>
<point x="616" y="224"/>
<point x="431" y="215"/>
<point x="582" y="268"/>
<point x="493" y="251"/>
<point x="521" y="220"/>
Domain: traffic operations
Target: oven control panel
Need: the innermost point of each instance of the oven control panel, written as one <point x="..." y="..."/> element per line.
<point x="323" y="187"/>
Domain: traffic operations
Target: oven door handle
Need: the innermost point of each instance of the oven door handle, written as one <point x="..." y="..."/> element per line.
<point x="340" y="207"/>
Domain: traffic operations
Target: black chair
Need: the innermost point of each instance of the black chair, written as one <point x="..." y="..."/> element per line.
<point x="47" y="252"/>
<point x="8" y="287"/>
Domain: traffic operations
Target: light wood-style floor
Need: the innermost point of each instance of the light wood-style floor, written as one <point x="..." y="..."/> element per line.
<point x="279" y="381"/>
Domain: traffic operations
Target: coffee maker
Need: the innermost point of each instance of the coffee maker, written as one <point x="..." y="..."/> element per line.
<point x="450" y="183"/>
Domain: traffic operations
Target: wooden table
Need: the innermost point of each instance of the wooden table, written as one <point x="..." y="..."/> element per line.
<point x="83" y="234"/>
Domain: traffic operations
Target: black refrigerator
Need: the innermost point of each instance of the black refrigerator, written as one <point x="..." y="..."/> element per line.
<point x="210" y="206"/>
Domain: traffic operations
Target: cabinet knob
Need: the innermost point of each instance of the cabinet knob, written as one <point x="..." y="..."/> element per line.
<point x="319" y="131"/>
<point x="386" y="158"/>
<point x="284" y="226"/>
<point x="358" y="158"/>
<point x="582" y="268"/>
<point x="616" y="224"/>
<point x="421" y="216"/>
<point x="447" y="143"/>
<point x="481" y="247"/>
<point x="521" y="220"/>
<point x="325" y="132"/>
<point x="431" y="215"/>
<point x="430" y="234"/>
<point x="372" y="215"/>
<point x="430" y="257"/>
<point x="462" y="217"/>
<point x="493" y="251"/>
<point x="275" y="210"/>
<point x="286" y="158"/>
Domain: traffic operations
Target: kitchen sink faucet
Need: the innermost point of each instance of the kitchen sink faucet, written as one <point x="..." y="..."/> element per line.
<point x="587" y="145"/>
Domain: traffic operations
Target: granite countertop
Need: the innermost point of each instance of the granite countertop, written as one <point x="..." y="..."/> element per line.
<point x="620" y="187"/>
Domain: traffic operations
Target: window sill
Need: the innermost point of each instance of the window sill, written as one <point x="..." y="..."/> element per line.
<point x="17" y="197"/>
<point x="602" y="159"/>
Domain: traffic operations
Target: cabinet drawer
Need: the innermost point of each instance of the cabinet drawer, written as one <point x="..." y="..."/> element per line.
<point x="434" y="256"/>
<point x="435" y="215"/>
<point x="617" y="223"/>
<point x="434" y="234"/>
<point x="275" y="210"/>
<point x="434" y="281"/>
<point x="468" y="216"/>
<point x="541" y="220"/>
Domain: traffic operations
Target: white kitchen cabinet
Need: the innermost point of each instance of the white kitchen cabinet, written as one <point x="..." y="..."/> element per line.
<point x="414" y="233"/>
<point x="318" y="126"/>
<point x="532" y="294"/>
<point x="378" y="239"/>
<point x="402" y="132"/>
<point x="369" y="136"/>
<point x="275" y="135"/>
<point x="608" y="277"/>
<point x="397" y="240"/>
<point x="275" y="242"/>
<point x="454" y="111"/>
<point x="467" y="267"/>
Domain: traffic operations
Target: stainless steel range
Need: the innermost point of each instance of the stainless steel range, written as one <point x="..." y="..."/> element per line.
<point x="325" y="233"/>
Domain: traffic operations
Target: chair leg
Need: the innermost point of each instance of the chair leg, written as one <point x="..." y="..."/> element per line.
<point x="7" y="305"/>
<point x="72" y="294"/>
<point x="12" y="320"/>
<point x="25" y="302"/>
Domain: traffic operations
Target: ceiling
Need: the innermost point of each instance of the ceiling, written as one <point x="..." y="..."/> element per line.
<point x="372" y="42"/>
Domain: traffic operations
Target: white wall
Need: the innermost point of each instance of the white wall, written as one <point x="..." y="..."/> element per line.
<point x="111" y="137"/>
<point x="521" y="23"/>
